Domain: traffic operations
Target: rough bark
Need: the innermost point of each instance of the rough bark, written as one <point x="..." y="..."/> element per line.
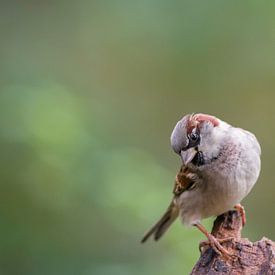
<point x="249" y="258"/>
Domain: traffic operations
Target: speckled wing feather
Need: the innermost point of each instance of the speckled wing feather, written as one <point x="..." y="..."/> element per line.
<point x="185" y="180"/>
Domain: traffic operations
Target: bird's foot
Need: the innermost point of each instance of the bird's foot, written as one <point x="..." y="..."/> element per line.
<point x="240" y="208"/>
<point x="215" y="244"/>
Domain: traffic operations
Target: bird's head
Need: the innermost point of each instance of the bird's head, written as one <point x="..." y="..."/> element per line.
<point x="197" y="138"/>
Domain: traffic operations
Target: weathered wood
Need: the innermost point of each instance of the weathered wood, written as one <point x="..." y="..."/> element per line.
<point x="248" y="258"/>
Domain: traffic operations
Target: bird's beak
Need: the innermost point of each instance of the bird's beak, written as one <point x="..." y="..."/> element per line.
<point x="188" y="155"/>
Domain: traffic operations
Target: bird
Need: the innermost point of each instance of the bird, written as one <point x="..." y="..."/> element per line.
<point x="219" y="166"/>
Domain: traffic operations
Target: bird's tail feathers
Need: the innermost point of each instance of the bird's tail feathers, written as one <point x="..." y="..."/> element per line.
<point x="163" y="224"/>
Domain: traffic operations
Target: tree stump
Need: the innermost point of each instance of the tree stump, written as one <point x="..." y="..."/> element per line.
<point x="248" y="258"/>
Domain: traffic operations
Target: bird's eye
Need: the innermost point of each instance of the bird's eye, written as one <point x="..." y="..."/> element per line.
<point x="194" y="136"/>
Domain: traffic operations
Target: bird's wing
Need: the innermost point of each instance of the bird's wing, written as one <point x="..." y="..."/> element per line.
<point x="185" y="180"/>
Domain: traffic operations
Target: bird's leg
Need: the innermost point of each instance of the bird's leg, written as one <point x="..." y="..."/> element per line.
<point x="214" y="242"/>
<point x="207" y="243"/>
<point x="240" y="208"/>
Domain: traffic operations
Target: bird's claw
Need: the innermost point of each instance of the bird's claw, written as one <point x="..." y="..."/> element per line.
<point x="240" y="208"/>
<point x="215" y="244"/>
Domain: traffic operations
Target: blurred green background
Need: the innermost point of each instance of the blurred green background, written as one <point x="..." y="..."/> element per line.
<point x="89" y="94"/>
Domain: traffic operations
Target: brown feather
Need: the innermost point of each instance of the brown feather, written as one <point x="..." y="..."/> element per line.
<point x="185" y="180"/>
<point x="163" y="224"/>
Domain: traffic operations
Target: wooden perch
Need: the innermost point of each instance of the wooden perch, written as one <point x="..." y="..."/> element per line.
<point x="248" y="258"/>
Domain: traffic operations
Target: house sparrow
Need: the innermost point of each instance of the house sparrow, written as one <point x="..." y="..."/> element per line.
<point x="220" y="165"/>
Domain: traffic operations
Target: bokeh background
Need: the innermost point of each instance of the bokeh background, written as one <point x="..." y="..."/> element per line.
<point x="89" y="94"/>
